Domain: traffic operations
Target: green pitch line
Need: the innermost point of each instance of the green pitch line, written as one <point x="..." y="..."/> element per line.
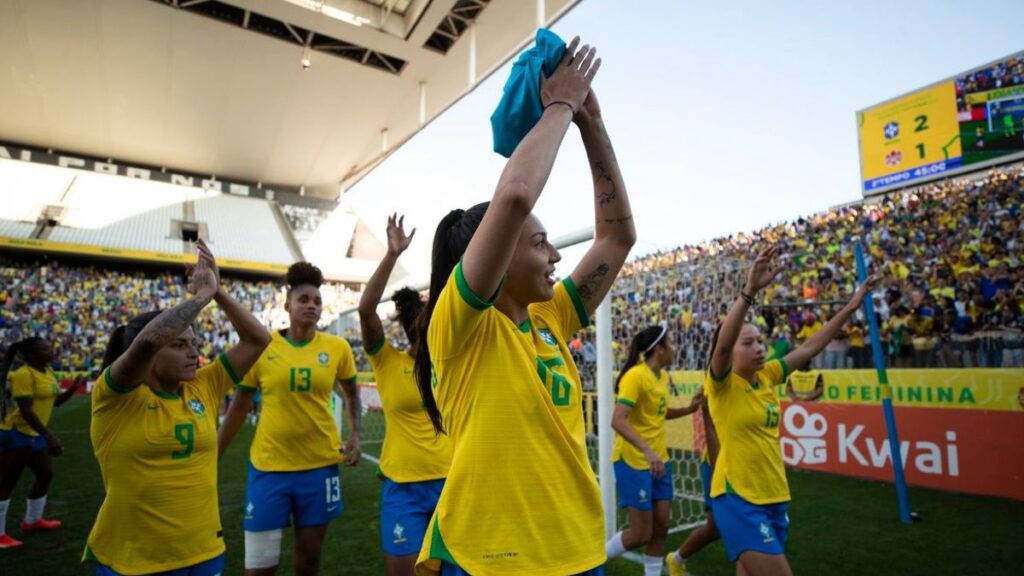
<point x="945" y="149"/>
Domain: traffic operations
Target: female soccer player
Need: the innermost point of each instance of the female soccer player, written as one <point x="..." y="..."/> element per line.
<point x="154" y="432"/>
<point x="643" y="473"/>
<point x="497" y="373"/>
<point x="415" y="459"/>
<point x="24" y="437"/>
<point x="749" y="491"/>
<point x="293" y="468"/>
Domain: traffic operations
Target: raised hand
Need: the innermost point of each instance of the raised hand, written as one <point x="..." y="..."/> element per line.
<point x="590" y="110"/>
<point x="202" y="280"/>
<point x="858" y="297"/>
<point x="763" y="271"/>
<point x="398" y="241"/>
<point x="570" y="83"/>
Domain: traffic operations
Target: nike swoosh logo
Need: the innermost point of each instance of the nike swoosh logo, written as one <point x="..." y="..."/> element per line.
<point x="332" y="508"/>
<point x="152" y="406"/>
<point x="271" y="357"/>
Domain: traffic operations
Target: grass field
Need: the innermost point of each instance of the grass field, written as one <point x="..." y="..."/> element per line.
<point x="840" y="525"/>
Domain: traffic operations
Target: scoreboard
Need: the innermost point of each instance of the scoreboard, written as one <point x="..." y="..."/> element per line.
<point x="971" y="121"/>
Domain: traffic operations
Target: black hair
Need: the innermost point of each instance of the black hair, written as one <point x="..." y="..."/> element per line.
<point x="641" y="342"/>
<point x="19" y="348"/>
<point x="301" y="274"/>
<point x="451" y="239"/>
<point x="123" y="336"/>
<point x="408" y="304"/>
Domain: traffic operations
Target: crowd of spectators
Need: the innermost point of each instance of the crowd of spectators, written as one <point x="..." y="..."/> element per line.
<point x="951" y="295"/>
<point x="77" y="306"/>
<point x="1004" y="74"/>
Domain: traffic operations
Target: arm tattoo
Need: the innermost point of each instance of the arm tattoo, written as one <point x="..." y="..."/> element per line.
<point x="168" y="325"/>
<point x="622" y="220"/>
<point x="606" y="196"/>
<point x="590" y="285"/>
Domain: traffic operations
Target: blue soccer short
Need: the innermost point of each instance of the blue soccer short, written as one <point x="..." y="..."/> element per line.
<point x="405" y="511"/>
<point x="212" y="567"/>
<point x="12" y="439"/>
<point x="745" y="526"/>
<point x="274" y="499"/>
<point x="639" y="489"/>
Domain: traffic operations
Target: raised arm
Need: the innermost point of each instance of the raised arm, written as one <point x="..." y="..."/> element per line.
<point x="369" y="323"/>
<point x="253" y="338"/>
<point x="130" y="368"/>
<point x="490" y="251"/>
<point x="760" y="275"/>
<point x="614" y="229"/>
<point x="800" y="357"/>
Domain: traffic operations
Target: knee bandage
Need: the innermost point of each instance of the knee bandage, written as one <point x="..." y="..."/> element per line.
<point x="262" y="549"/>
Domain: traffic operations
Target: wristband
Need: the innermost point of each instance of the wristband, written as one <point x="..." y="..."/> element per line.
<point x="553" y="102"/>
<point x="747" y="298"/>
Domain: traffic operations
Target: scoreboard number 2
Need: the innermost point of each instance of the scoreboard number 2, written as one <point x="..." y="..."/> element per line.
<point x="922" y="123"/>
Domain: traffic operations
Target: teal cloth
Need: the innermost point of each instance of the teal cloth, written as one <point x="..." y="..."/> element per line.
<point x="520" y="107"/>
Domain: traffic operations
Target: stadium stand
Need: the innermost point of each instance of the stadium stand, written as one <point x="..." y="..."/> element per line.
<point x="243" y="228"/>
<point x="77" y="305"/>
<point x="150" y="230"/>
<point x="12" y="229"/>
<point x="952" y="292"/>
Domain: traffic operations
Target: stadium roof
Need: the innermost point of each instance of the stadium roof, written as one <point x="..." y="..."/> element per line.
<point x="220" y="87"/>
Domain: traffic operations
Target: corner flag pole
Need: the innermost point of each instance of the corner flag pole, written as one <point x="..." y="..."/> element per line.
<point x="886" y="390"/>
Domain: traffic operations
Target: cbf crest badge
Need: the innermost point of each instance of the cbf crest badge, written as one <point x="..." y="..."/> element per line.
<point x="324" y="358"/>
<point x="547" y="337"/>
<point x="197" y="408"/>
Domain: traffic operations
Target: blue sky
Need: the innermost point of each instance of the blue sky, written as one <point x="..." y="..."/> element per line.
<point x="725" y="116"/>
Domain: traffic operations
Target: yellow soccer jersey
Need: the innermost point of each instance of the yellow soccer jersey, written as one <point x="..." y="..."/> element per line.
<point x="521" y="497"/>
<point x="296" y="429"/>
<point x="803" y="382"/>
<point x="158" y="458"/>
<point x="647" y="394"/>
<point x="40" y="387"/>
<point x="746" y="418"/>
<point x="412" y="452"/>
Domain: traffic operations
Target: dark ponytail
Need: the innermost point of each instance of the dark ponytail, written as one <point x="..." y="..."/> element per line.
<point x="408" y="304"/>
<point x="15" y="350"/>
<point x="450" y="242"/>
<point x="641" y="342"/>
<point x="123" y="336"/>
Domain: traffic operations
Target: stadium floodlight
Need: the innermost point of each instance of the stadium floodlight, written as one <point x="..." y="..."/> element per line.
<point x="322" y="7"/>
